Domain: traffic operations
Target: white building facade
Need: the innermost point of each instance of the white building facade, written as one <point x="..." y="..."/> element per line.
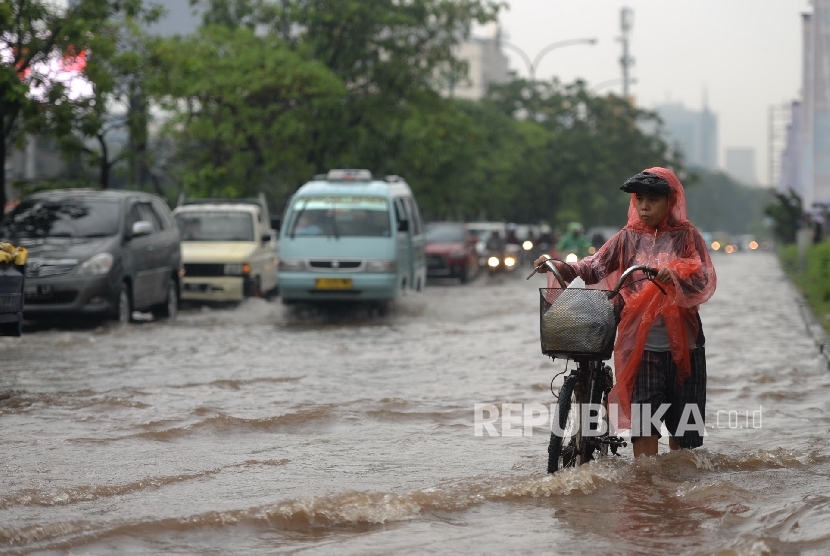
<point x="486" y="65"/>
<point x="805" y="160"/>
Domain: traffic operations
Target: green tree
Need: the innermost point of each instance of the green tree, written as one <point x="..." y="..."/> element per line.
<point x="242" y="109"/>
<point x="34" y="33"/>
<point x="122" y="59"/>
<point x="786" y="213"/>
<point x="391" y="56"/>
<point x="459" y="157"/>
<point x="718" y="203"/>
<point x="582" y="147"/>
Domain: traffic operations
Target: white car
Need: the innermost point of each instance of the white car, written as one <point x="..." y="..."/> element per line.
<point x="229" y="250"/>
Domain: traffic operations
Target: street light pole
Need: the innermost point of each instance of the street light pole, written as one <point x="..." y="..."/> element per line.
<point x="533" y="65"/>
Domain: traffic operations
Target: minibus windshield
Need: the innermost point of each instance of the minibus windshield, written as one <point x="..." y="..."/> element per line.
<point x="340" y="216"/>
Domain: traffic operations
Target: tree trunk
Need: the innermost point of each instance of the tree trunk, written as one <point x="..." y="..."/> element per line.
<point x="138" y="136"/>
<point x="104" y="174"/>
<point x="3" y="172"/>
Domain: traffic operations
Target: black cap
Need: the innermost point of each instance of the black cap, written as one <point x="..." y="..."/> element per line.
<point x="645" y="182"/>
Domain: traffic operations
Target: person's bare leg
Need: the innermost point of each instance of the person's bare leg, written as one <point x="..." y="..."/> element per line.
<point x="673" y="443"/>
<point x="645" y="445"/>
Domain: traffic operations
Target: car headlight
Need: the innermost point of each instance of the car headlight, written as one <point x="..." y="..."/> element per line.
<point x="493" y="262"/>
<point x="509" y="261"/>
<point x="527" y="245"/>
<point x="381" y="266"/>
<point x="237" y="269"/>
<point x="96" y="265"/>
<point x="291" y="265"/>
<point x="460" y="254"/>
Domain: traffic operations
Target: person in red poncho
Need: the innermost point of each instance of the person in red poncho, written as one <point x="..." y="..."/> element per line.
<point x="659" y="355"/>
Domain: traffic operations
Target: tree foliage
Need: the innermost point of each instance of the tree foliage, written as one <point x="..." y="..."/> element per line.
<point x="268" y="93"/>
<point x="580" y="148"/>
<point x="717" y="203"/>
<point x="120" y="64"/>
<point x="242" y="110"/>
<point x="786" y="213"/>
<point x="34" y="33"/>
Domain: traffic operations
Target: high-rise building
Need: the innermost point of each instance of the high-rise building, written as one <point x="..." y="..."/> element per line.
<point x="789" y="175"/>
<point x="808" y="147"/>
<point x="805" y="159"/>
<point x="740" y="165"/>
<point x="694" y="133"/>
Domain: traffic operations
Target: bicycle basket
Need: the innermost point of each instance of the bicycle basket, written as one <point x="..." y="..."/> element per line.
<point x="579" y="323"/>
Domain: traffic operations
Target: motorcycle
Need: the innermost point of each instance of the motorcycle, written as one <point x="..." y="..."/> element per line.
<point x="502" y="261"/>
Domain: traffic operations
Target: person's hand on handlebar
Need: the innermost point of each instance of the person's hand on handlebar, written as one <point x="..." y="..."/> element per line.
<point x="539" y="261"/>
<point x="564" y="269"/>
<point x="663" y="275"/>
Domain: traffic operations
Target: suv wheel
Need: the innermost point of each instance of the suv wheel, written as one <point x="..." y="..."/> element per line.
<point x="12" y="328"/>
<point x="124" y="310"/>
<point x="170" y="308"/>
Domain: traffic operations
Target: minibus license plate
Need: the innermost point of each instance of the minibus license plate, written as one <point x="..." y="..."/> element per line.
<point x="333" y="283"/>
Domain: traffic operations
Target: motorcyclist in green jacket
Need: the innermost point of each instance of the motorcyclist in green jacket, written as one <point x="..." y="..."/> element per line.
<point x="574" y="241"/>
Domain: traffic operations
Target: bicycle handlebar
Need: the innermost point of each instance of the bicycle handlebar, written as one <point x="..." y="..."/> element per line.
<point x="553" y="269"/>
<point x="650" y="273"/>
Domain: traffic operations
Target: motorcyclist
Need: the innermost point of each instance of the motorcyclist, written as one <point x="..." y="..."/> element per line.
<point x="574" y="241"/>
<point x="545" y="242"/>
<point x="496" y="247"/>
<point x="511" y="237"/>
<point x="495" y="243"/>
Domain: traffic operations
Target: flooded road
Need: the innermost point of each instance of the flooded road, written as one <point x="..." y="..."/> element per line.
<point x="257" y="430"/>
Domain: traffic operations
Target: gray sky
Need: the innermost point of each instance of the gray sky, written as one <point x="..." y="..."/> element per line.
<point x="746" y="54"/>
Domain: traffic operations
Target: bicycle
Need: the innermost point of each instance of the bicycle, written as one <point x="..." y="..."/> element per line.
<point x="581" y="324"/>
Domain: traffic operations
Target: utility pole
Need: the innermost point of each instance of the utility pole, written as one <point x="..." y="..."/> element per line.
<point x="626" y="61"/>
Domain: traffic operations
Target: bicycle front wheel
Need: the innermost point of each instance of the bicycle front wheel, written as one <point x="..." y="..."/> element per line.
<point x="567" y="446"/>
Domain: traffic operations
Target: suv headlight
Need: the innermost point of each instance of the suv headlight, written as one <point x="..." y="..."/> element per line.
<point x="291" y="265"/>
<point x="381" y="266"/>
<point x="96" y="265"/>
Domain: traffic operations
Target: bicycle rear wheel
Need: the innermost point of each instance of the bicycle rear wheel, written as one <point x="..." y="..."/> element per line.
<point x="567" y="446"/>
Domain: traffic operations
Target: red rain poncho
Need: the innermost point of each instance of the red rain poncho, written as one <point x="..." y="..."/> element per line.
<point x="675" y="244"/>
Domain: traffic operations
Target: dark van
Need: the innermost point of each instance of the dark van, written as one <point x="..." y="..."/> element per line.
<point x="104" y="253"/>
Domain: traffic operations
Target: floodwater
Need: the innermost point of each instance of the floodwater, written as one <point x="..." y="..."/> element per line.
<point x="257" y="430"/>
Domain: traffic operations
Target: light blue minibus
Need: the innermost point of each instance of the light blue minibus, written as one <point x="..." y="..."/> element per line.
<point x="349" y="236"/>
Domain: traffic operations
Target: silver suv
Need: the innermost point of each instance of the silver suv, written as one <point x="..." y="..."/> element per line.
<point x="104" y="253"/>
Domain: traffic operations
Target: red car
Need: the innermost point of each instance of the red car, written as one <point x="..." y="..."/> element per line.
<point x="451" y="251"/>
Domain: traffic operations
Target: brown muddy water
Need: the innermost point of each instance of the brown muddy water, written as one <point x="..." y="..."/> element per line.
<point x="256" y="430"/>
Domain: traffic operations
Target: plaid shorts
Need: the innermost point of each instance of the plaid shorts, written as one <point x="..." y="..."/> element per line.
<point x="657" y="384"/>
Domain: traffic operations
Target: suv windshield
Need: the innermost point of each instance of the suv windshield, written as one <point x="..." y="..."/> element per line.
<point x="73" y="218"/>
<point x="215" y="225"/>
<point x="340" y="216"/>
<point x="445" y="234"/>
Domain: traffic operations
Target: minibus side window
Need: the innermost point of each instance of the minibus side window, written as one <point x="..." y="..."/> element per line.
<point x="414" y="215"/>
<point x="401" y="216"/>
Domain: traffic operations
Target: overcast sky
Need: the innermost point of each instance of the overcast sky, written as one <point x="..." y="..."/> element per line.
<point x="744" y="54"/>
